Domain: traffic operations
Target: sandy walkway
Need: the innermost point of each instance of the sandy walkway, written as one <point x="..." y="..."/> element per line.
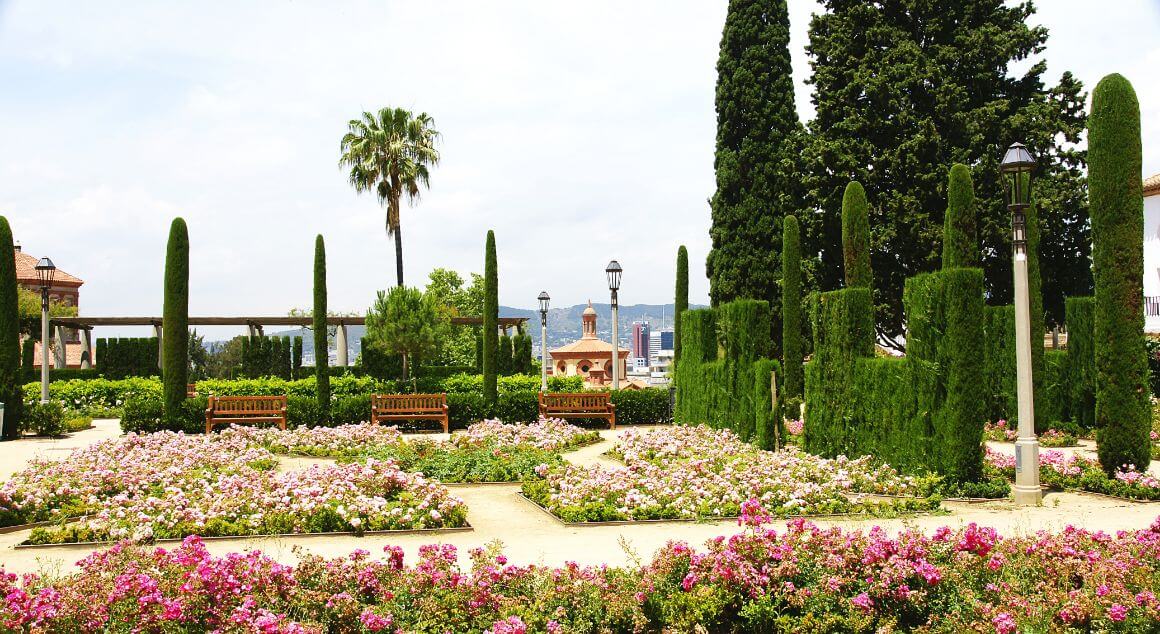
<point x="497" y="513"/>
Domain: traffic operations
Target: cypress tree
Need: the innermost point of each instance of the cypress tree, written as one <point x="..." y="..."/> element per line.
<point x="757" y="155"/>
<point x="504" y="356"/>
<point x="321" y="354"/>
<point x="10" y="384"/>
<point x="1037" y="317"/>
<point x="175" y="322"/>
<point x="490" y="320"/>
<point x="960" y="231"/>
<point x="856" y="237"/>
<point x="681" y="302"/>
<point x="791" y="307"/>
<point x="1117" y="215"/>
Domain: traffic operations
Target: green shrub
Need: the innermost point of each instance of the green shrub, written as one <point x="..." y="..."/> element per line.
<point x="127" y="356"/>
<point x="503" y="356"/>
<point x="791" y="308"/>
<point x="10" y="370"/>
<point x="999" y="369"/>
<point x="1117" y="217"/>
<point x="77" y="423"/>
<point x="642" y="407"/>
<point x="43" y="419"/>
<point x="1081" y="360"/>
<point x="769" y="420"/>
<point x="143" y="415"/>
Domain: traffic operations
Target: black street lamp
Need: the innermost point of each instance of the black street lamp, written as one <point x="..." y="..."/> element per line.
<point x="45" y="273"/>
<point x="544" y="340"/>
<point x="614" y="270"/>
<point x="1016" y="168"/>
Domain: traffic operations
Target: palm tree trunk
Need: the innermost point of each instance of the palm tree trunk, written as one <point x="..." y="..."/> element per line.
<point x="399" y="253"/>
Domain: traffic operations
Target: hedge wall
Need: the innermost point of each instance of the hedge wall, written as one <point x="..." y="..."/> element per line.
<point x="733" y="391"/>
<point x="271" y="356"/>
<point x="127" y="356"/>
<point x="924" y="412"/>
<point x="999" y="369"/>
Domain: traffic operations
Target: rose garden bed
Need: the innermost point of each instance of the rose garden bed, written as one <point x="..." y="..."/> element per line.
<point x="1070" y="471"/>
<point x="696" y="472"/>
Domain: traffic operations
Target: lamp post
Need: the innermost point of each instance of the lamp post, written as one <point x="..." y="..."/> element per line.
<point x="613" y="270"/>
<point x="45" y="272"/>
<point x="544" y="340"/>
<point x="1016" y="169"/>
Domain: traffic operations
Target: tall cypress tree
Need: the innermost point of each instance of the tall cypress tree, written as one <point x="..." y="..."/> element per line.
<point x="681" y="302"/>
<point x="1038" y="328"/>
<point x="960" y="234"/>
<point x="10" y="384"/>
<point x="856" y="237"/>
<point x="791" y="308"/>
<point x="175" y="322"/>
<point x="758" y="140"/>
<point x="1117" y="209"/>
<point x="490" y="320"/>
<point x="895" y="132"/>
<point x="321" y="349"/>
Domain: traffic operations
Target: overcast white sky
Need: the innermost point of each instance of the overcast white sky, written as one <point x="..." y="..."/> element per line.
<point x="580" y="132"/>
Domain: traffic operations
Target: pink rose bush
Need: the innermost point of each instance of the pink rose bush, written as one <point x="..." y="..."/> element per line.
<point x="316" y="441"/>
<point x="552" y="434"/>
<point x="168" y="484"/>
<point x="1074" y="471"/>
<point x="801" y="579"/>
<point x="690" y="472"/>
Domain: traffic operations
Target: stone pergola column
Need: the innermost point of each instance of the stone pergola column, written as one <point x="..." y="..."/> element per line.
<point x="60" y="354"/>
<point x="86" y="348"/>
<point x="340" y="343"/>
<point x="158" y="332"/>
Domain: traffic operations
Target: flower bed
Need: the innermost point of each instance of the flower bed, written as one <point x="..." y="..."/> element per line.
<point x="1072" y="471"/>
<point x="802" y="579"/>
<point x="697" y="472"/>
<point x="1000" y="431"/>
<point x="171" y="485"/>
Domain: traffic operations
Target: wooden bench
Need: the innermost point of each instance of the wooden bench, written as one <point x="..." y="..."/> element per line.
<point x="191" y="390"/>
<point x="579" y="405"/>
<point x="247" y="410"/>
<point x="386" y="407"/>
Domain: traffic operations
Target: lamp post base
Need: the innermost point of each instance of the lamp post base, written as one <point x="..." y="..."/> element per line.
<point x="1026" y="489"/>
<point x="1027" y="496"/>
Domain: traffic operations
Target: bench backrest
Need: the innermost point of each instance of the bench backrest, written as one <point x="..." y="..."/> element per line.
<point x="243" y="405"/>
<point x="408" y="402"/>
<point x="576" y="401"/>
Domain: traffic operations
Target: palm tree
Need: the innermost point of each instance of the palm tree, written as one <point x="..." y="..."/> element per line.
<point x="389" y="153"/>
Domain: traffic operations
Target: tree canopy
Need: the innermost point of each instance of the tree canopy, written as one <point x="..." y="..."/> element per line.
<point x="405" y="321"/>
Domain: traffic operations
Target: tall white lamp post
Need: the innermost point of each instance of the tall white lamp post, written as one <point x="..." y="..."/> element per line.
<point x="613" y="270"/>
<point x="45" y="272"/>
<point x="544" y="340"/>
<point x="1016" y="168"/>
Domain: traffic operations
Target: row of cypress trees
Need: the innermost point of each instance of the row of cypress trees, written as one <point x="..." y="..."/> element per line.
<point x="10" y="384"/>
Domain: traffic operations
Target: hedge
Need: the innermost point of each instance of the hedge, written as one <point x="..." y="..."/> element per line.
<point x="271" y="356"/>
<point x="1081" y="357"/>
<point x="681" y="301"/>
<point x="999" y="371"/>
<point x="791" y="309"/>
<point x="127" y="356"/>
<point x="10" y="369"/>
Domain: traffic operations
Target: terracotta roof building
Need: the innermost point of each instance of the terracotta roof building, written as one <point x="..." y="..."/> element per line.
<point x="65" y="289"/>
<point x="588" y="356"/>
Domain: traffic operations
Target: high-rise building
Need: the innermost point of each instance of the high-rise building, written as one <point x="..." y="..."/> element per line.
<point x="640" y="340"/>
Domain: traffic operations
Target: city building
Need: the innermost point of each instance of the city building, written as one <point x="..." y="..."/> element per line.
<point x="588" y="356"/>
<point x="65" y="289"/>
<point x="1152" y="254"/>
<point x="662" y="342"/>
<point x="640" y="341"/>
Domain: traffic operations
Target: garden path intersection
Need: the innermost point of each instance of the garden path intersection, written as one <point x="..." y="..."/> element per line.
<point x="497" y="512"/>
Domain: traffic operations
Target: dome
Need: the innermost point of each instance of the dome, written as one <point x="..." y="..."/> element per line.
<point x="590" y="310"/>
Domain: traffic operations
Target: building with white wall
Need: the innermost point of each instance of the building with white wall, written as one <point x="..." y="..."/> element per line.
<point x="1152" y="254"/>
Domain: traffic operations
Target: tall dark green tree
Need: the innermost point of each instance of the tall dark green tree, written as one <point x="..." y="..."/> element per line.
<point x="681" y="302"/>
<point x="906" y="87"/>
<point x="856" y="237"/>
<point x="1035" y="308"/>
<point x="10" y="383"/>
<point x="490" y="320"/>
<point x="758" y="140"/>
<point x="960" y="235"/>
<point x="791" y="308"/>
<point x="1117" y="208"/>
<point x="175" y="321"/>
<point x="321" y="346"/>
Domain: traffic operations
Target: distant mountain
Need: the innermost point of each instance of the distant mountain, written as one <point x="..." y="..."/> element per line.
<point x="563" y="325"/>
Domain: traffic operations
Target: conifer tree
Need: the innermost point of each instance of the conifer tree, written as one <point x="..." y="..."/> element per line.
<point x="1117" y="210"/>
<point x="175" y="322"/>
<point x="856" y="237"/>
<point x="490" y="321"/>
<point x="791" y="308"/>
<point x="10" y="384"/>
<point x="321" y="347"/>
<point x="681" y="302"/>
<point x="960" y="235"/>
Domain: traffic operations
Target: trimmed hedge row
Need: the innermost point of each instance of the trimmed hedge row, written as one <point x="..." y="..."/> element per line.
<point x="734" y="391"/>
<point x="145" y="413"/>
<point x="271" y="356"/>
<point x="127" y="356"/>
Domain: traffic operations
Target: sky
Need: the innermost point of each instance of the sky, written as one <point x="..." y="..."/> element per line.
<point x="579" y="132"/>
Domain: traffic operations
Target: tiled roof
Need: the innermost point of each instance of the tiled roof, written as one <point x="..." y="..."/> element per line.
<point x="1152" y="185"/>
<point x="586" y="346"/>
<point x="72" y="355"/>
<point x="26" y="272"/>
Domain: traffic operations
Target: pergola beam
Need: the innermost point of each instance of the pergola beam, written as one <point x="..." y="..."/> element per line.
<point x="90" y="322"/>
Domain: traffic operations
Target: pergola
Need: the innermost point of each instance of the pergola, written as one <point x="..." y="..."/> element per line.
<point x="255" y="324"/>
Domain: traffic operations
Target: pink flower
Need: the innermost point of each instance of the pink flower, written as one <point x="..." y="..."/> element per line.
<point x="1004" y="623"/>
<point x="374" y="622"/>
<point x="1117" y="612"/>
<point x="863" y="601"/>
<point x="688" y="581"/>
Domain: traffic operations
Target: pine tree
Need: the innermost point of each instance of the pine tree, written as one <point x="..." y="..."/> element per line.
<point x="490" y="321"/>
<point x="895" y="132"/>
<point x="175" y="322"/>
<point x="758" y="140"/>
<point x="960" y="235"/>
<point x="10" y="384"/>
<point x="856" y="237"/>
<point x="681" y="302"/>
<point x="1117" y="209"/>
<point x="321" y="347"/>
<point x="791" y="309"/>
